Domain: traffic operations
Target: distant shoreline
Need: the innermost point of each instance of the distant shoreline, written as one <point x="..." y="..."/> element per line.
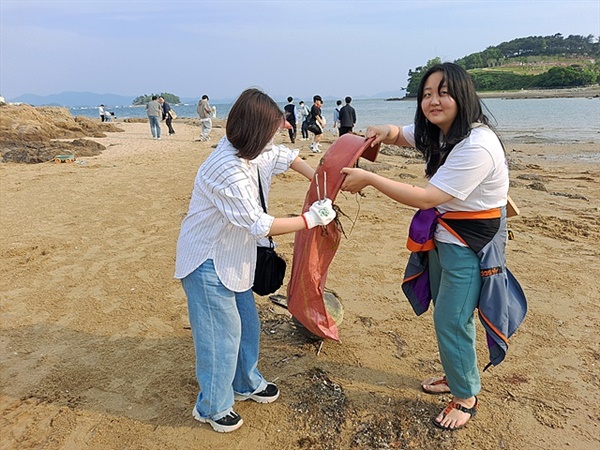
<point x="583" y="92"/>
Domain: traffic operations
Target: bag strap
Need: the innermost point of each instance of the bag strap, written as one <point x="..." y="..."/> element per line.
<point x="260" y="191"/>
<point x="262" y="201"/>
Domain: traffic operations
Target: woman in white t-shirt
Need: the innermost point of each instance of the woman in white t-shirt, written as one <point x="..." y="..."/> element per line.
<point x="216" y="255"/>
<point x="467" y="171"/>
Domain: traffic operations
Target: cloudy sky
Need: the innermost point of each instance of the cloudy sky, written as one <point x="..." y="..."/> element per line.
<point x="299" y="48"/>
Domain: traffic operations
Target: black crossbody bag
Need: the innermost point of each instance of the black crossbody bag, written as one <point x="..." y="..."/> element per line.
<point x="270" y="267"/>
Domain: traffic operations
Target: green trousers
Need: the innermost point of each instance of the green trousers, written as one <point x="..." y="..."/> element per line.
<point x="455" y="283"/>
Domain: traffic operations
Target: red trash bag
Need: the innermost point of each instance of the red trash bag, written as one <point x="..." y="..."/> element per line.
<point x="314" y="249"/>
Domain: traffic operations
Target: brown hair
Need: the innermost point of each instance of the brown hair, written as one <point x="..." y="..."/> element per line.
<point x="252" y="122"/>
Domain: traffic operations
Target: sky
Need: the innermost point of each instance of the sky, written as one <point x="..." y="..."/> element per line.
<point x="188" y="48"/>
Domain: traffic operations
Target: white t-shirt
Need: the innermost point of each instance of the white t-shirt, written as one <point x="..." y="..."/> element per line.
<point x="225" y="218"/>
<point x="475" y="174"/>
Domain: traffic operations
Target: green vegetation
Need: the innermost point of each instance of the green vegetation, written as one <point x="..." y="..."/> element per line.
<point x="543" y="62"/>
<point x="414" y="78"/>
<point x="143" y="99"/>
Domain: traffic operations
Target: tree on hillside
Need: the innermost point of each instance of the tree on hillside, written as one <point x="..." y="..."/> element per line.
<point x="414" y="77"/>
<point x="556" y="45"/>
<point x="561" y="62"/>
<point x="565" y="77"/>
<point x="143" y="99"/>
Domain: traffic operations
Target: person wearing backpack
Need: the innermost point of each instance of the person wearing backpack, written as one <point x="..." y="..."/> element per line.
<point x="290" y="116"/>
<point x="303" y="113"/>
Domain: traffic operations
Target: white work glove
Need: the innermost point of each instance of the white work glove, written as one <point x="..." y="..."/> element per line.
<point x="320" y="213"/>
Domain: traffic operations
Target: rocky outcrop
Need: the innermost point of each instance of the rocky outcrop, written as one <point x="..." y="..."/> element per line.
<point x="37" y="134"/>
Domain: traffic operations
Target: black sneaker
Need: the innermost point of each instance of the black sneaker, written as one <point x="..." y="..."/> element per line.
<point x="230" y="422"/>
<point x="267" y="395"/>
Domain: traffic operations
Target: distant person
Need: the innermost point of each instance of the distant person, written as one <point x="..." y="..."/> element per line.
<point x="316" y="117"/>
<point x="102" y="111"/>
<point x="347" y="117"/>
<point x="213" y="114"/>
<point x="336" y="117"/>
<point x="204" y="111"/>
<point x="166" y="114"/>
<point x="303" y="113"/>
<point x="154" y="112"/>
<point x="290" y="116"/>
<point x="216" y="256"/>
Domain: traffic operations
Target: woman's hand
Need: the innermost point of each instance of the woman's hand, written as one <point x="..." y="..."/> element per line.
<point x="320" y="213"/>
<point x="387" y="134"/>
<point x="380" y="132"/>
<point x="356" y="179"/>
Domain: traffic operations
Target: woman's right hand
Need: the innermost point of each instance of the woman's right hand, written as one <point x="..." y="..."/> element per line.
<point x="321" y="213"/>
<point x="380" y="132"/>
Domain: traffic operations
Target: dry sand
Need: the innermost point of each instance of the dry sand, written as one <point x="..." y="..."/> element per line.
<point x="96" y="348"/>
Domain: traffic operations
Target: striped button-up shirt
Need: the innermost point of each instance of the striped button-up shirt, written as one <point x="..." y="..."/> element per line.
<point x="225" y="218"/>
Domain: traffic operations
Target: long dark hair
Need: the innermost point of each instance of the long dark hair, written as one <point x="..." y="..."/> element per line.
<point x="470" y="110"/>
<point x="252" y="122"/>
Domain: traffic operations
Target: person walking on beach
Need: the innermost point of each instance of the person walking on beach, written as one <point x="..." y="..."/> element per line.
<point x="102" y="111"/>
<point x="467" y="176"/>
<point x="204" y="111"/>
<point x="154" y="112"/>
<point x="166" y="114"/>
<point x="316" y="117"/>
<point x="216" y="255"/>
<point x="290" y="116"/>
<point x="303" y="112"/>
<point x="336" y="118"/>
<point x="347" y="117"/>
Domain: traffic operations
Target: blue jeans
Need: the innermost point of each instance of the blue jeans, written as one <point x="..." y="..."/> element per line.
<point x="455" y="281"/>
<point x="154" y="126"/>
<point x="226" y="332"/>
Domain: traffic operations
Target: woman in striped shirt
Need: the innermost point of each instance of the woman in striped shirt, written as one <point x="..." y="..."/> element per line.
<point x="216" y="255"/>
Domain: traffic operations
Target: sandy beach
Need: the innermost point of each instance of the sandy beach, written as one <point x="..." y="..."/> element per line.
<point x="96" y="350"/>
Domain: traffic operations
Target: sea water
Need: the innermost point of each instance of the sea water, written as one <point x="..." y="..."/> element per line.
<point x="549" y="120"/>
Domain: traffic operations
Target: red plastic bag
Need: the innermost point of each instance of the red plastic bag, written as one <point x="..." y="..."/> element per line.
<point x="314" y="249"/>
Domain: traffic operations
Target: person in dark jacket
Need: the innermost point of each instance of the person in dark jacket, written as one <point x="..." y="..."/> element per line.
<point x="166" y="114"/>
<point x="347" y="117"/>
<point x="290" y="116"/>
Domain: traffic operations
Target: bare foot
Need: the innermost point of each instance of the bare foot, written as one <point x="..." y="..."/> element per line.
<point x="435" y="385"/>
<point x="457" y="413"/>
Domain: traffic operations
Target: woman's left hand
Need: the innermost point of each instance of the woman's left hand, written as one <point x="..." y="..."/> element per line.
<point x="356" y="179"/>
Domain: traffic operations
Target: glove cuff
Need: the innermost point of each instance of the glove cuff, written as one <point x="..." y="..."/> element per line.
<point x="309" y="223"/>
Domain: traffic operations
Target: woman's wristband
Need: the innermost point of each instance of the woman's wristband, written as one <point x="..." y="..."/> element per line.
<point x="305" y="222"/>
